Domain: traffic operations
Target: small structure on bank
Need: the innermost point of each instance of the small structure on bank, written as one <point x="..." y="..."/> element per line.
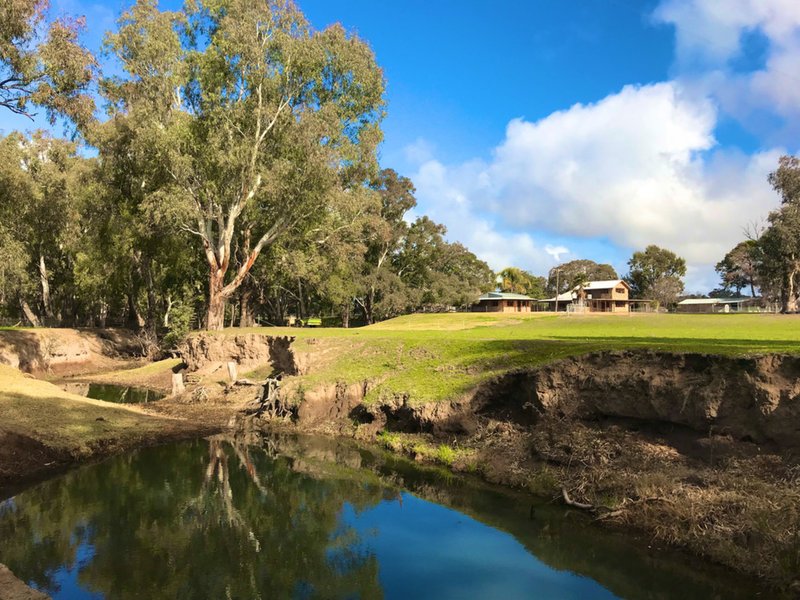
<point x="503" y="302"/>
<point x="716" y="305"/>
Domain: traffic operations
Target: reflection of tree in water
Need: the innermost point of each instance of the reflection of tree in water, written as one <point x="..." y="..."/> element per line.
<point x="209" y="519"/>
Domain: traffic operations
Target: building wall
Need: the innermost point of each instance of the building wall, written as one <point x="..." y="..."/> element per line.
<point x="505" y="306"/>
<point x="620" y="292"/>
<point x="696" y="308"/>
<point x="516" y="305"/>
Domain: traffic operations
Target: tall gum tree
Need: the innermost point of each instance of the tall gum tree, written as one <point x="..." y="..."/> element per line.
<point x="43" y="64"/>
<point x="248" y="120"/>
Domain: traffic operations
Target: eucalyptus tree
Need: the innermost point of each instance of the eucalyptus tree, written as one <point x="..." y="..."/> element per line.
<point x="385" y="232"/>
<point x="780" y="242"/>
<point x="40" y="178"/>
<point x="43" y="64"/>
<point x="567" y="275"/>
<point x="246" y="119"/>
<point x="739" y="268"/>
<point x="656" y="272"/>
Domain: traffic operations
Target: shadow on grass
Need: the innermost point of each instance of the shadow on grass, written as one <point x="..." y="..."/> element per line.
<point x="701" y="345"/>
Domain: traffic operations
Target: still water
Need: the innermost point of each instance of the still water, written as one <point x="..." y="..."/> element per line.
<point x="304" y="517"/>
<point x="123" y="394"/>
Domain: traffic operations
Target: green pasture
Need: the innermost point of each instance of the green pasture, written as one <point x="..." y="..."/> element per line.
<point x="434" y="357"/>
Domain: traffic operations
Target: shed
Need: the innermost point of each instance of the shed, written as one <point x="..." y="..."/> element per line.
<point x="714" y="305"/>
<point x="503" y="302"/>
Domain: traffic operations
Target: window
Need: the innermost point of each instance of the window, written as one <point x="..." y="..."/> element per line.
<point x="620" y="290"/>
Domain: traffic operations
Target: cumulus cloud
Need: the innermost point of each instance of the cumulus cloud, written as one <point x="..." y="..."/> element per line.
<point x="711" y="36"/>
<point x="639" y="167"/>
<point x="452" y="196"/>
<point x="556" y="251"/>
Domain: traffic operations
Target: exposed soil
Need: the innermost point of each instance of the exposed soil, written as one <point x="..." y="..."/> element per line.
<point x="204" y="352"/>
<point x="12" y="588"/>
<point x="692" y="450"/>
<point x="24" y="459"/>
<point x="65" y="352"/>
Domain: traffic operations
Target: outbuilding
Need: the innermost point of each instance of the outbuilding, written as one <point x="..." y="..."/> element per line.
<point x="714" y="305"/>
<point x="503" y="302"/>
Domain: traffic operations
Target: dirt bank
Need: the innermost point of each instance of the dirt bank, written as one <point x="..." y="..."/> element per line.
<point x="697" y="451"/>
<point x="12" y="588"/>
<point x="207" y="351"/>
<point x="67" y="351"/>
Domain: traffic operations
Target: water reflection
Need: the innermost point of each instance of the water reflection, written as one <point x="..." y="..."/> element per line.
<point x="121" y="394"/>
<point x="308" y="517"/>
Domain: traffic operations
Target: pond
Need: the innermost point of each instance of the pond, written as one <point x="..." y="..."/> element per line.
<point x="123" y="394"/>
<point x="304" y="517"/>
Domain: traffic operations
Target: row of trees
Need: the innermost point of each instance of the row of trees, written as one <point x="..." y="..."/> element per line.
<point x="769" y="259"/>
<point x="236" y="172"/>
<point x="654" y="273"/>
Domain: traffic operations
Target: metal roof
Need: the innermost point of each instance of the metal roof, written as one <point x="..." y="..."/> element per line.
<point x="565" y="297"/>
<point x="714" y="300"/>
<point x="504" y="296"/>
<point x="605" y="284"/>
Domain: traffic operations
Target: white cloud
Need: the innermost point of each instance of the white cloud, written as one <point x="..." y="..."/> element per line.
<point x="710" y="37"/>
<point x="638" y="167"/>
<point x="556" y="251"/>
<point x="418" y="152"/>
<point x="451" y="196"/>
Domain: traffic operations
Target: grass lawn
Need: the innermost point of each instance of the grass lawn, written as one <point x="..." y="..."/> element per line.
<point x="438" y="357"/>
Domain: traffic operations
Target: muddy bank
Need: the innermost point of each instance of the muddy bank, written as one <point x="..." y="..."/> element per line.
<point x="67" y="351"/>
<point x="696" y="451"/>
<point x="12" y="588"/>
<point x="754" y="399"/>
<point x="206" y="351"/>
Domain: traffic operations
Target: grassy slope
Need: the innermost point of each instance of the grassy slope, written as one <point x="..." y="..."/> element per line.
<point x="442" y="356"/>
<point x="41" y="411"/>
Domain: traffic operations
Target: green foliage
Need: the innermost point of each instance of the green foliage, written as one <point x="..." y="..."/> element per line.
<point x="779" y="245"/>
<point x="738" y="269"/>
<point x="517" y="281"/>
<point x="656" y="273"/>
<point x="52" y="71"/>
<point x="568" y="275"/>
<point x="180" y="324"/>
<point x="445" y="454"/>
<point x="40" y="182"/>
<point x="411" y="266"/>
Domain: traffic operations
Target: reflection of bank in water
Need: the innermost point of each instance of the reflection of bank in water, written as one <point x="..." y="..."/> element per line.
<point x="121" y="394"/>
<point x="287" y="516"/>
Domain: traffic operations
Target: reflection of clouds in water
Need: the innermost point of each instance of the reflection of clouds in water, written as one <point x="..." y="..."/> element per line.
<point x="427" y="550"/>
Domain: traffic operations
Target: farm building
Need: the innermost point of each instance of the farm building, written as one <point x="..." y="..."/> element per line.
<point x="715" y="305"/>
<point x="609" y="296"/>
<point x="503" y="302"/>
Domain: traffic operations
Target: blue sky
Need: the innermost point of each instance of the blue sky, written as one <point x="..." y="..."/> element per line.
<point x="543" y="131"/>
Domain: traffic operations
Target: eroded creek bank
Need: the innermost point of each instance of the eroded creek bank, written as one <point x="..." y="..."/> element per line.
<point x="691" y="450"/>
